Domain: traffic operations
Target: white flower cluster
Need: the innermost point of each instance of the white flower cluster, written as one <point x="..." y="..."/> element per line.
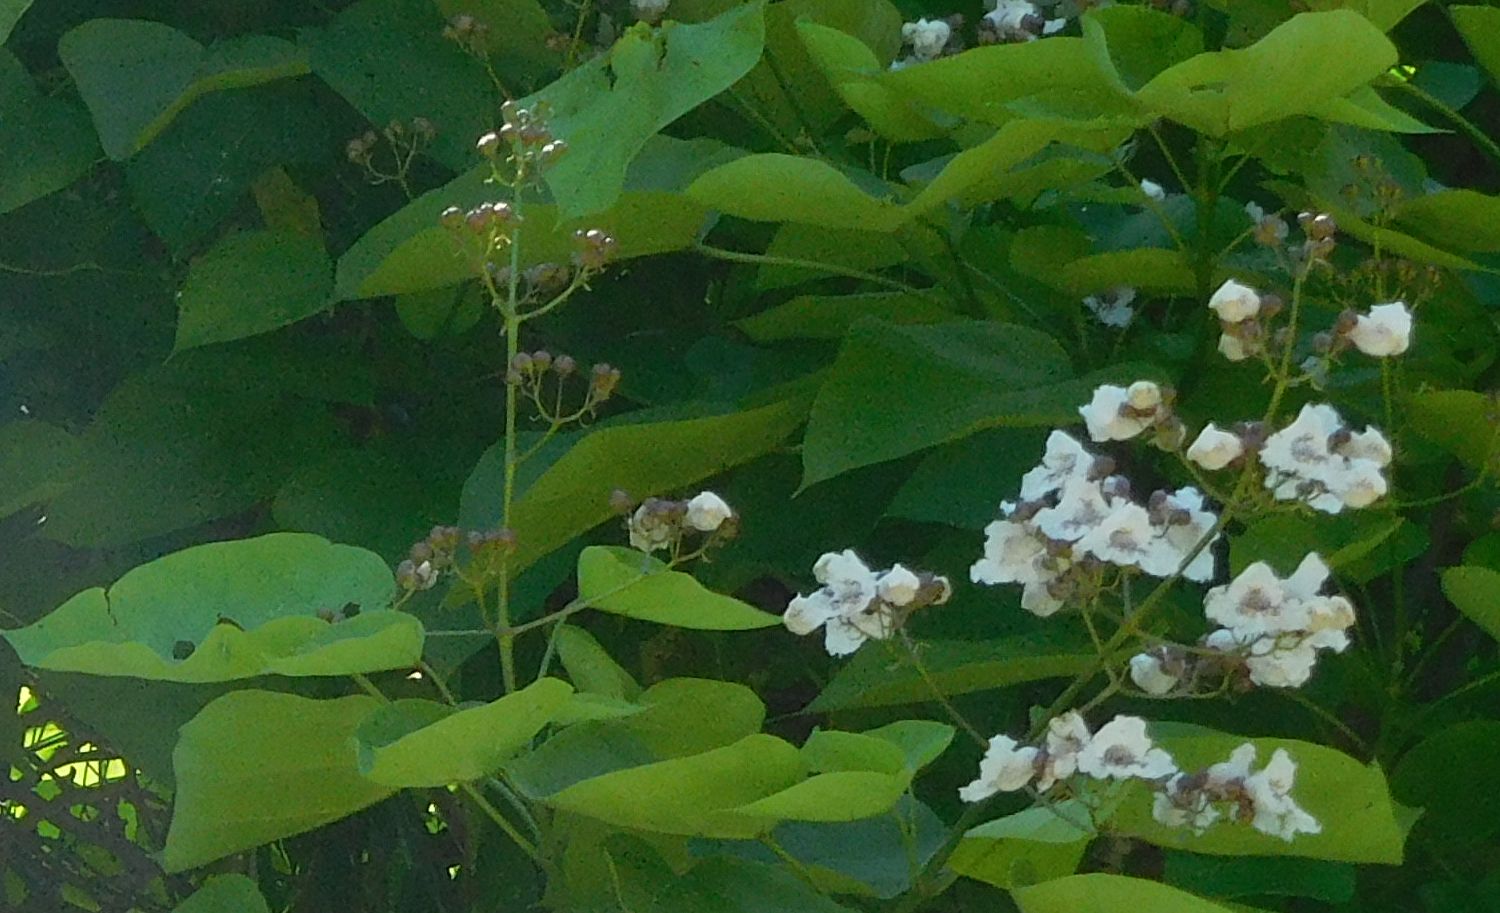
<point x="1113" y="308"/>
<point x="928" y="39"/>
<point x="1015" y="21"/>
<point x="658" y="523"/>
<point x="856" y="604"/>
<point x="1275" y="626"/>
<point x="1121" y="413"/>
<point x="649" y="10"/>
<point x="1074" y="516"/>
<point x="1383" y="332"/>
<point x="1123" y="750"/>
<point x="1264" y="796"/>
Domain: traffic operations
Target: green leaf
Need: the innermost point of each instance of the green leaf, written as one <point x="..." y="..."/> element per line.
<point x="442" y="312"/>
<point x="1148" y="268"/>
<point x="232" y="610"/>
<point x="572" y="495"/>
<point x="251" y="283"/>
<point x="774" y="187"/>
<point x="845" y="795"/>
<point x="1302" y="66"/>
<point x="876" y="678"/>
<point x="920" y="741"/>
<point x="1384" y="14"/>
<point x="11" y="12"/>
<point x="830" y="316"/>
<point x="1036" y="845"/>
<point x="862" y="250"/>
<point x="135" y="75"/>
<point x="1132" y="44"/>
<point x="224" y="894"/>
<point x="829" y="750"/>
<point x="853" y="69"/>
<point x="623" y="581"/>
<point x="1360" y="821"/>
<point x="256" y="766"/>
<point x="1455" y="219"/>
<point x="1452" y="777"/>
<point x="725" y="885"/>
<point x="365" y="55"/>
<point x="697" y="795"/>
<point x="1476" y="593"/>
<point x="421" y="743"/>
<point x="46" y="141"/>
<point x="1458" y="421"/>
<point x="37" y="460"/>
<point x="1260" y="876"/>
<point x="609" y="107"/>
<point x="1098" y="892"/>
<point x="954" y="379"/>
<point x="1480" y="28"/>
<point x="591" y="668"/>
<point x="1283" y="540"/>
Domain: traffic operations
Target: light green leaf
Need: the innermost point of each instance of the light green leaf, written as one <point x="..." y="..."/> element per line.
<point x="623" y="581"/>
<point x="46" y="141"/>
<point x="1454" y="219"/>
<point x="609" y="107"/>
<point x="1480" y="28"/>
<point x="845" y="795"/>
<point x="256" y="766"/>
<point x="830" y="316"/>
<point x="861" y="250"/>
<point x="696" y="795"/>
<point x="1299" y="67"/>
<point x="1148" y="268"/>
<point x="874" y="678"/>
<point x="37" y="460"/>
<point x="421" y="743"/>
<point x="1036" y="845"/>
<point x="1384" y="14"/>
<point x="894" y="390"/>
<point x="135" y="75"/>
<point x="224" y="894"/>
<point x="251" y="283"/>
<point x="853" y="69"/>
<point x="774" y="187"/>
<point x="1364" y="107"/>
<point x="1476" y="593"/>
<point x="590" y="667"/>
<point x="829" y="750"/>
<point x="921" y="741"/>
<point x="232" y="610"/>
<point x="1360" y="821"/>
<point x="1131" y="44"/>
<point x="572" y="495"/>
<point x="1098" y="892"/>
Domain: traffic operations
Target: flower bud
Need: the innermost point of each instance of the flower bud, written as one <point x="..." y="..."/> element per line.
<point x="620" y="501"/>
<point x="551" y="152"/>
<point x="541" y="359"/>
<point x="603" y="381"/>
<point x="489" y="144"/>
<point x="423" y="127"/>
<point x="564" y="365"/>
<point x="521" y="363"/>
<point x="547" y="279"/>
<point x="452" y="218"/>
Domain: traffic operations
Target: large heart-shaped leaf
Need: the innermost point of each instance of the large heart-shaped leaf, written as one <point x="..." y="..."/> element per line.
<point x="623" y="581"/>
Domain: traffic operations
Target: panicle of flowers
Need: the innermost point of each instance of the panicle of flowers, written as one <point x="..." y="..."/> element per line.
<point x="685" y="529"/>
<point x="856" y="604"/>
<point x="439" y="553"/>
<point x="546" y="380"/>
<point x="1075" y="519"/>
<point x="1071" y="758"/>
<point x="1012" y="21"/>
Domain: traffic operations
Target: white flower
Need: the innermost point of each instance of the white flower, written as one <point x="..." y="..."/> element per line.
<point x="1215" y="448"/>
<point x="1150" y="674"/>
<point x="1255" y="604"/>
<point x="1385" y="331"/>
<point x="842" y="607"/>
<point x="1006" y="15"/>
<point x="1082" y="507"/>
<point x="1191" y="523"/>
<point x="1011" y="553"/>
<point x="1153" y="190"/>
<point x="1038" y="599"/>
<point x="1276" y="813"/>
<point x="1063" y="459"/>
<point x="927" y="37"/>
<point x="651" y="528"/>
<point x="1233" y="347"/>
<point x="1122" y="750"/>
<point x="1143" y="395"/>
<point x="1113" y="308"/>
<point x="898" y="586"/>
<point x="1270" y="229"/>
<point x="1359" y="486"/>
<point x="1177" y="806"/>
<point x="1067" y="735"/>
<point x="706" y="512"/>
<point x="1274" y="665"/>
<point x="1234" y="770"/>
<point x="1125" y="537"/>
<point x="1005" y="767"/>
<point x="1235" y="302"/>
<point x="1317" y="460"/>
<point x="1302" y="448"/>
<point x="1368" y="444"/>
<point x="649" y="10"/>
<point x="1109" y="416"/>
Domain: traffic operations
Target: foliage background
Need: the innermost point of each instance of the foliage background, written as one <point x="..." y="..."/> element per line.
<point x="213" y="326"/>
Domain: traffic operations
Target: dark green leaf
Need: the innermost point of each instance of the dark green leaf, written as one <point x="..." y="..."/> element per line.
<point x="37" y="461"/>
<point x="1476" y="593"/>
<point x="46" y="142"/>
<point x="251" y="283"/>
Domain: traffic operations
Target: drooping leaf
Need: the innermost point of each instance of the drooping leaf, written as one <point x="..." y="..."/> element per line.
<point x="46" y="141"/>
<point x="1458" y="421"/>
<point x="1476" y="593"/>
<point x="1099" y="892"/>
<point x="897" y="389"/>
<point x="609" y="107"/>
<point x="420" y="743"/>
<point x="251" y="283"/>
<point x="1230" y="877"/>
<point x="1283" y="540"/>
<point x="232" y="610"/>
<point x="852" y="68"/>
<point x="590" y="667"/>
<point x="1458" y="812"/>
<point x="256" y="766"/>
<point x="11" y="12"/>
<point x="880" y="678"/>
<point x="623" y="581"/>
<point x="774" y="187"/>
<point x="1457" y="219"/>
<point x="135" y="75"/>
<point x="224" y="894"/>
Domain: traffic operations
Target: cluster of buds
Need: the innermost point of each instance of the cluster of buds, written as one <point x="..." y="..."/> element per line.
<point x="523" y="140"/>
<point x="406" y="141"/>
<point x="592" y="248"/>
<point x="660" y="523"/>
<point x="1121" y="413"/>
<point x="531" y="372"/>
<point x="485" y="220"/>
<point x="1321" y="235"/>
<point x="1245" y="314"/>
<point x="427" y="560"/>
<point x="468" y="33"/>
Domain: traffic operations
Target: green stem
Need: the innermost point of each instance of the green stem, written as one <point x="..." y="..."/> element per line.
<point x="938" y="695"/>
<point x="504" y="637"/>
<point x="1469" y="128"/>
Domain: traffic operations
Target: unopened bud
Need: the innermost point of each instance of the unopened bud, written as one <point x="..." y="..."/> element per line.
<point x="452" y="218"/>
<point x="423" y="127"/>
<point x="603" y="381"/>
<point x="620" y="501"/>
<point x="541" y="359"/>
<point x="521" y="363"/>
<point x="564" y="365"/>
<point x="489" y="144"/>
